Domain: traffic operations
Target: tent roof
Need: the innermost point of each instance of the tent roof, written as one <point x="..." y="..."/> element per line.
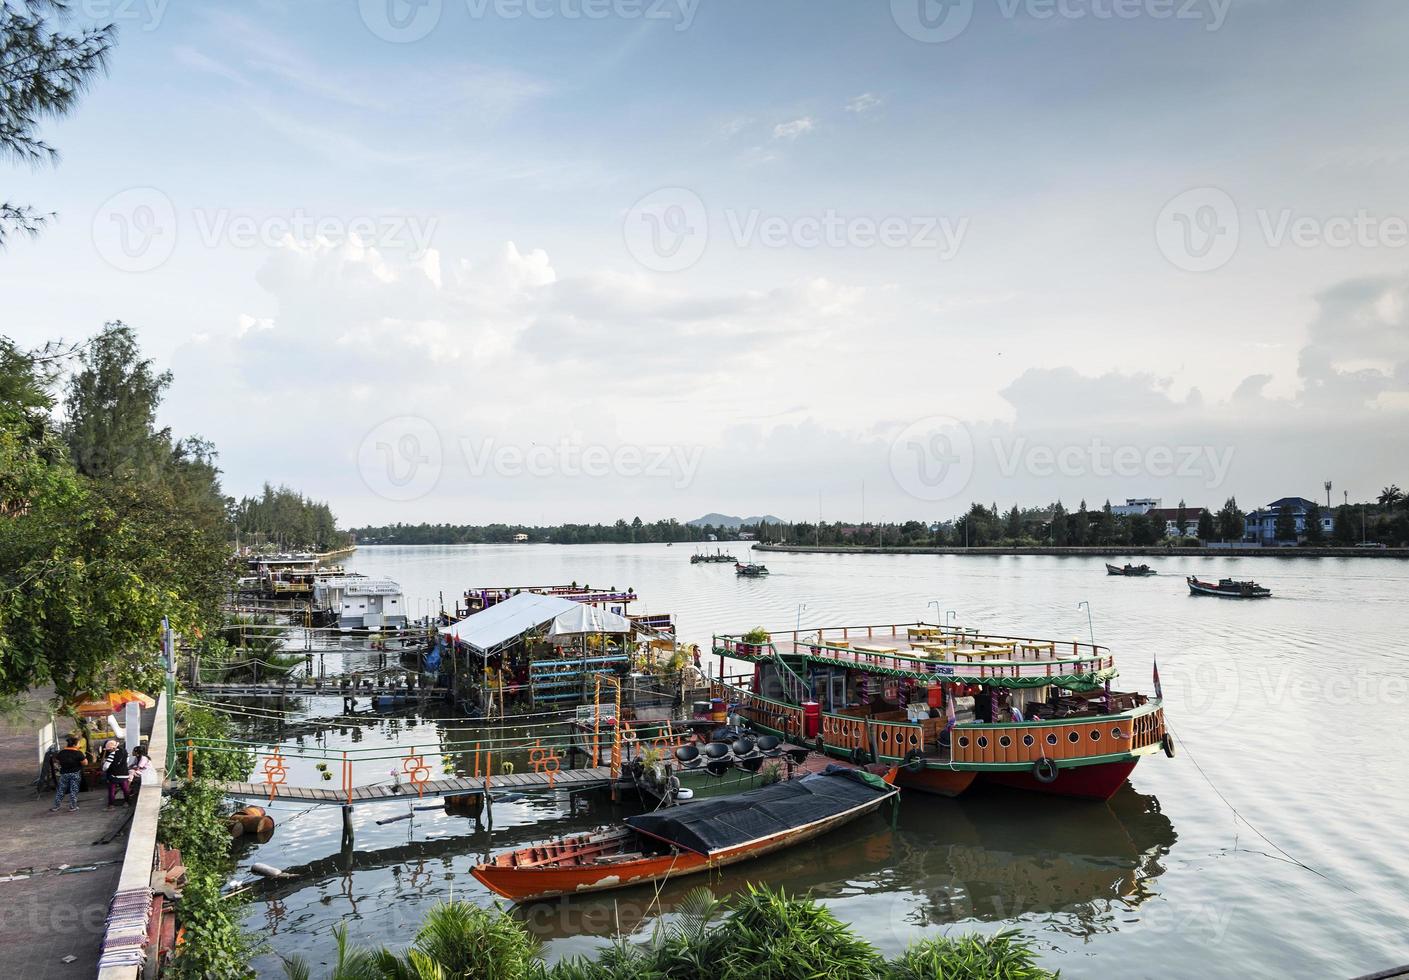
<point x="489" y="629"/>
<point x="583" y="618"/>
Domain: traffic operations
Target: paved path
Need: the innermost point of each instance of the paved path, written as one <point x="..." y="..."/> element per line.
<point x="47" y="914"/>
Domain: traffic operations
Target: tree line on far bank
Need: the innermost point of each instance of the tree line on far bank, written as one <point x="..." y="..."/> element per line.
<point x="1385" y="521"/>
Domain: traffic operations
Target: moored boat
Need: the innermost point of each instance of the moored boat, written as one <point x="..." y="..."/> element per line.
<point x="1228" y="588"/>
<point x="949" y="706"/>
<point x="687" y="839"/>
<point x="1133" y="571"/>
<point x="719" y="557"/>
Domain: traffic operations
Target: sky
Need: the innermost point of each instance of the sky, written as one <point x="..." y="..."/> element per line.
<point x="568" y="260"/>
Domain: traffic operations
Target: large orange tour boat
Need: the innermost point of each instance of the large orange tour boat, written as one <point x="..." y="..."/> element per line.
<point x="949" y="706"/>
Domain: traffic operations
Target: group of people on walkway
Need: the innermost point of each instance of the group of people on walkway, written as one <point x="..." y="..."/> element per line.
<point x="121" y="773"/>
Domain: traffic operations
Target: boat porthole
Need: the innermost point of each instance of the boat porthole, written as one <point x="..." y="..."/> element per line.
<point x="914" y="739"/>
<point x="885" y="736"/>
<point x="1051" y="740"/>
<point x="1073" y="737"/>
<point x="1028" y="740"/>
<point x="1095" y="735"/>
<point x="1005" y="741"/>
<point x="983" y="741"/>
<point x="963" y="741"/>
<point x="1115" y="733"/>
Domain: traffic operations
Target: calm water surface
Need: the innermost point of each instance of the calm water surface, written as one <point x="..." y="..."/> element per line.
<point x="1291" y="710"/>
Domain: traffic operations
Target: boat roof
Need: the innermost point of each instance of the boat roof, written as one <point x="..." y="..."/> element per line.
<point x="709" y="826"/>
<point x="489" y="629"/>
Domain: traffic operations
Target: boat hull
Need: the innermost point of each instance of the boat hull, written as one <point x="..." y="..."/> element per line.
<point x="1098" y="782"/>
<point x="535" y="884"/>
<point x="939" y="781"/>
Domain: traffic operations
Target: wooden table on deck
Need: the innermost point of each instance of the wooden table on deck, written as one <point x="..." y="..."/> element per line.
<point x="1004" y="652"/>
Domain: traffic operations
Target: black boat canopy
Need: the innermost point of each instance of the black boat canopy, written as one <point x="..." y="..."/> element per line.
<point x="715" y="825"/>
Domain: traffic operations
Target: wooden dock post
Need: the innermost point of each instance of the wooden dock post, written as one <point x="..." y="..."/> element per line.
<point x="347" y="826"/>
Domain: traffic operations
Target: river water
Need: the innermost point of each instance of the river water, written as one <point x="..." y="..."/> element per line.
<point x="1273" y="844"/>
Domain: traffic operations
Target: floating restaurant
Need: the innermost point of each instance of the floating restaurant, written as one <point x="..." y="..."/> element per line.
<point x="949" y="706"/>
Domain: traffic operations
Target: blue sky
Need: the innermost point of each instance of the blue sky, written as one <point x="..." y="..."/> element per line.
<point x="385" y="270"/>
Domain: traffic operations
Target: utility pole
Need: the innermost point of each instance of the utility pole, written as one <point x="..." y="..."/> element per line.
<point x="168" y="648"/>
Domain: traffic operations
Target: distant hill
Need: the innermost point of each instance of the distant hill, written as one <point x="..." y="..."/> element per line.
<point x="725" y="520"/>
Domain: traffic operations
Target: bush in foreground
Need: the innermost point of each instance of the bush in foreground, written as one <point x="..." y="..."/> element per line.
<point x="766" y="935"/>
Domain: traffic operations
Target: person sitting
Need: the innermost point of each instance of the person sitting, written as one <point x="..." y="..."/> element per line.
<point x="1015" y="712"/>
<point x="117" y="773"/>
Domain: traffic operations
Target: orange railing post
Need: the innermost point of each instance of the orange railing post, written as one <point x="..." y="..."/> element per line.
<point x="347" y="778"/>
<point x="190" y="759"/>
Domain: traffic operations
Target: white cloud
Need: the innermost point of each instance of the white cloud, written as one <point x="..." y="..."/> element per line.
<point x="864" y="102"/>
<point x="792" y="130"/>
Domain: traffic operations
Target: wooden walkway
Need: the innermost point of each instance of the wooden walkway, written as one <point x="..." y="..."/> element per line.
<point x="314" y="690"/>
<point x="527" y="782"/>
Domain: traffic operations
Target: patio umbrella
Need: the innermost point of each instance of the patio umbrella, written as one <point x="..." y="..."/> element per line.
<point x="110" y="704"/>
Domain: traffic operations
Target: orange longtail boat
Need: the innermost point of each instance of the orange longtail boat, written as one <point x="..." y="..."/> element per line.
<point x="685" y="839"/>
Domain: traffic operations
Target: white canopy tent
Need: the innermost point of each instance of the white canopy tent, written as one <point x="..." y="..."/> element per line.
<point x="488" y="630"/>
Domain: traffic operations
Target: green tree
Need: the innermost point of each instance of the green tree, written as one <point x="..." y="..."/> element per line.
<point x="112" y="405"/>
<point x="1207" y="531"/>
<point x="43" y="70"/>
<point x="1344" y="531"/>
<point x="1284" y="526"/>
<point x="1391" y="495"/>
<point x="1230" y="520"/>
<point x="1143" y="530"/>
<point x="1060" y="530"/>
<point x="1014" y="529"/>
<point x="1314" y="532"/>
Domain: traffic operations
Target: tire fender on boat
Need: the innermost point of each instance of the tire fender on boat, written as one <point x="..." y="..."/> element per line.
<point x="1167" y="743"/>
<point x="1044" y="770"/>
<point x="914" y="761"/>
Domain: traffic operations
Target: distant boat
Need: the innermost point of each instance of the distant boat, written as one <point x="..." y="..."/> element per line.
<point x="751" y="570"/>
<point x="681" y="840"/>
<point x="1228" y="589"/>
<point x="719" y="557"/>
<point x="1131" y="570"/>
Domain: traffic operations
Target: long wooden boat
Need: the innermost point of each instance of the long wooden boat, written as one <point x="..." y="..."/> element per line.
<point x="686" y="839"/>
<point x="1228" y="588"/>
<point x="937" y="702"/>
<point x="750" y="569"/>
<point x="1132" y="571"/>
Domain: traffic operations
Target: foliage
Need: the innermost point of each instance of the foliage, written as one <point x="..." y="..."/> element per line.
<point x="214" y="946"/>
<point x="43" y="70"/>
<point x="757" y="636"/>
<point x="226" y="764"/>
<point x="1284" y="526"/>
<point x="287" y="519"/>
<point x="1000" y="957"/>
<point x="767" y="935"/>
<point x="92" y="556"/>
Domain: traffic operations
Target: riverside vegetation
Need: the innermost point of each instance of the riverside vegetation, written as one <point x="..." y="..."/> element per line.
<point x="759" y="934"/>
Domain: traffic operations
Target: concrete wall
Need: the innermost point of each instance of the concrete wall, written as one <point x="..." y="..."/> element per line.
<point x="124" y="944"/>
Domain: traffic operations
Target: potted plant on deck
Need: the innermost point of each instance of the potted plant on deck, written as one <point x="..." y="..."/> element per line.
<point x="751" y="643"/>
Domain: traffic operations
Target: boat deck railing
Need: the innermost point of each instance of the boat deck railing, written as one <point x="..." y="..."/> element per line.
<point x="924" y="649"/>
<point x="1010" y="744"/>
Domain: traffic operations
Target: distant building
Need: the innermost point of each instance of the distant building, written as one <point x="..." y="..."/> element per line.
<point x="745" y="535"/>
<point x="711" y="537"/>
<point x="1167" y="518"/>
<point x="1136" y="505"/>
<point x="520" y="538"/>
<point x="1261" y="524"/>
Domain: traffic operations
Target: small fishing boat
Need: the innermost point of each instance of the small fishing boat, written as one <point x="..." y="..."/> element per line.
<point x="1228" y="588"/>
<point x="750" y="569"/>
<point x="718" y="558"/>
<point x="1129" y="570"/>
<point x="686" y="839"/>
